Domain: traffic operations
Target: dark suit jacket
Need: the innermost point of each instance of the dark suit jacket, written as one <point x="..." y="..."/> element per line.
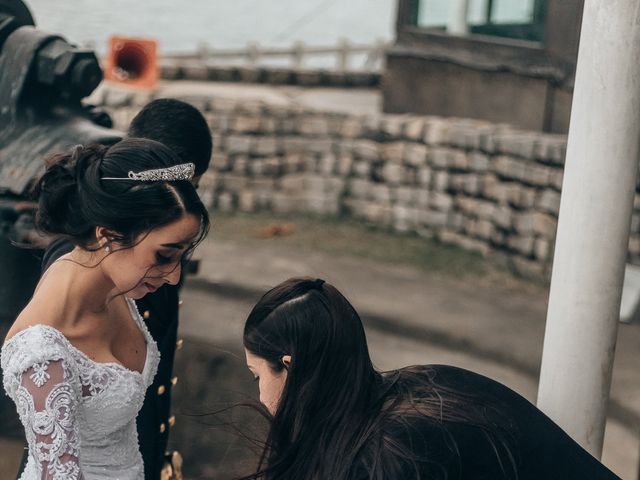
<point x="160" y="312"/>
<point x="434" y="449"/>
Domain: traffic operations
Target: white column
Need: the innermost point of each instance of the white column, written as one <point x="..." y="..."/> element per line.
<point x="458" y="10"/>
<point x="593" y="230"/>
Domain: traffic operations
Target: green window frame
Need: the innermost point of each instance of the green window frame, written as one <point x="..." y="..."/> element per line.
<point x="516" y="19"/>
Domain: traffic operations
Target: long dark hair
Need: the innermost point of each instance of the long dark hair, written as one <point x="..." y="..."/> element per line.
<point x="336" y="413"/>
<point x="73" y="198"/>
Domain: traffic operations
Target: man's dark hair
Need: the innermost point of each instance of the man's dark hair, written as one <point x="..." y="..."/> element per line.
<point x="179" y="126"/>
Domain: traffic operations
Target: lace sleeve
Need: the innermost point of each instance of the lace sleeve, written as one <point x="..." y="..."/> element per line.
<point x="39" y="374"/>
<point x="48" y="407"/>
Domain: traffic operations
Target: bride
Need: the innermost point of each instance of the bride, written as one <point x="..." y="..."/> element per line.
<point x="79" y="358"/>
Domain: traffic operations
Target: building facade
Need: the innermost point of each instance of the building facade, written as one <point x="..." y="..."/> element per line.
<point x="513" y="63"/>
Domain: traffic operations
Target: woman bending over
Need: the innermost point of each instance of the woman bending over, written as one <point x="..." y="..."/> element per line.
<point x="333" y="416"/>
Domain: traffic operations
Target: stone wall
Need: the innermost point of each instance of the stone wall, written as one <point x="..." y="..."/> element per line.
<point x="484" y="187"/>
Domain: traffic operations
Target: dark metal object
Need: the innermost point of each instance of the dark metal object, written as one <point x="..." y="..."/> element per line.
<point x="42" y="83"/>
<point x="74" y="73"/>
<point x="12" y="16"/>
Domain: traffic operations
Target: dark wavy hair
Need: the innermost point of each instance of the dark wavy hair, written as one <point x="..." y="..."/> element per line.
<point x="73" y="199"/>
<point x="337" y="415"/>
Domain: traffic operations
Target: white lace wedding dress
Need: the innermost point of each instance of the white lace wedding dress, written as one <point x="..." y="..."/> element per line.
<point x="79" y="415"/>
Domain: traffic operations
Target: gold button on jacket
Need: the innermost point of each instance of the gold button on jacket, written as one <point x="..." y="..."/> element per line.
<point x="161" y="389"/>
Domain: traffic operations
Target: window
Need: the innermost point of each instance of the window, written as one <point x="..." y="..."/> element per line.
<point x="520" y="19"/>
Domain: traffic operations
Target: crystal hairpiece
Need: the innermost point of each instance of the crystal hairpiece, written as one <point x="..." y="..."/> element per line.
<point x="184" y="171"/>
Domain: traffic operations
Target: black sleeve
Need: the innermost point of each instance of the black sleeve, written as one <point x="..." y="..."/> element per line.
<point x="57" y="248"/>
<point x="160" y="311"/>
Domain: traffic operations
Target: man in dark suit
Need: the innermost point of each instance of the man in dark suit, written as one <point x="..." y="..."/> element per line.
<point x="182" y="128"/>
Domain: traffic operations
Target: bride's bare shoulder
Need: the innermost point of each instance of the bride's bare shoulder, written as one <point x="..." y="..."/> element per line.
<point x="48" y="304"/>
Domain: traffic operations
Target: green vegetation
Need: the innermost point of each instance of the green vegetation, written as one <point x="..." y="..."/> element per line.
<point x="352" y="238"/>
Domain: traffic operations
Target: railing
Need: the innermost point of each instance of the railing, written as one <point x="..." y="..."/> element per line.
<point x="298" y="54"/>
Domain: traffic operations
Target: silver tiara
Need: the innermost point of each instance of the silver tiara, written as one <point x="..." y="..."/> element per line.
<point x="184" y="171"/>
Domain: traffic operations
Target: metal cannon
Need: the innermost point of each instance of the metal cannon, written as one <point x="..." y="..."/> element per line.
<point x="43" y="79"/>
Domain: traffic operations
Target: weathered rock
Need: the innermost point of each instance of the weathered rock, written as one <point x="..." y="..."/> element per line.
<point x="314" y="126"/>
<point x="246" y="124"/>
<point x="405" y="196"/>
<point x="234" y="183"/>
<point x="392" y="152"/>
<point x="536" y="223"/>
<point x="283" y="202"/>
<point x="415" y="154"/>
<point x="393" y="125"/>
<point x="239" y="165"/>
<point x="392" y="173"/>
<point x="440" y="181"/>
<point x="434" y="218"/>
<point x="293" y="182"/>
<point x="549" y="201"/>
<point x="478" y="162"/>
<point x="542" y="249"/>
<point x="247" y="201"/>
<point x="327" y="164"/>
<point x="362" y="169"/>
<point x="319" y="145"/>
<point x="225" y="202"/>
<point x="441" y="201"/>
<point x="439" y="157"/>
<point x="414" y="128"/>
<point x="538" y="175"/>
<point x="509" y="168"/>
<point x="424" y="176"/>
<point x="521" y="244"/>
<point x="344" y="164"/>
<point x="236" y="144"/>
<point x="503" y="217"/>
<point x="436" y="131"/>
<point x="351" y="127"/>
<point x="404" y="218"/>
<point x="380" y="193"/>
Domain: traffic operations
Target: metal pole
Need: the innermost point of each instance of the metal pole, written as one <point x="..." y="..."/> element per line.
<point x="593" y="228"/>
<point x="489" y="12"/>
<point x="458" y="10"/>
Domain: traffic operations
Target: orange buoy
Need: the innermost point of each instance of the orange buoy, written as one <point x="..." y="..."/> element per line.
<point x="132" y="61"/>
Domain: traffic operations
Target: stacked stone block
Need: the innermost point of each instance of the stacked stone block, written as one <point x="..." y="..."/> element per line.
<point x="484" y="187"/>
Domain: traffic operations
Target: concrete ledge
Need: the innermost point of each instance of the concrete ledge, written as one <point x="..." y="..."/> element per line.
<point x="198" y="70"/>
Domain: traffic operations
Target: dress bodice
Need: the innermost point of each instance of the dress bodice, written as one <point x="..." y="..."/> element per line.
<point x="78" y="414"/>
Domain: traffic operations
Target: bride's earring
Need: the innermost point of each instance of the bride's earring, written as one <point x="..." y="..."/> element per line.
<point x="107" y="249"/>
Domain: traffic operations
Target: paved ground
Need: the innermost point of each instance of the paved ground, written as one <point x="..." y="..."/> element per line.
<point x="412" y="317"/>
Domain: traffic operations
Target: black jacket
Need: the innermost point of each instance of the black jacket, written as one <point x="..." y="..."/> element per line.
<point x="160" y="312"/>
<point x="515" y="440"/>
